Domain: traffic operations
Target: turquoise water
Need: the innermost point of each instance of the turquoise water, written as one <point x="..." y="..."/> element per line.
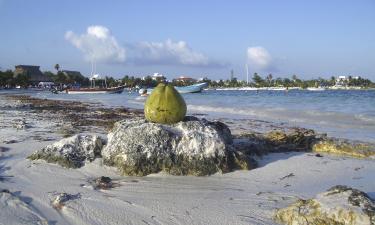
<point x="340" y="113"/>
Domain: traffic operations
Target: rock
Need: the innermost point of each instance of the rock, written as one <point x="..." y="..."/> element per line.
<point x="293" y="139"/>
<point x="71" y="152"/>
<point x="296" y="139"/>
<point x="340" y="205"/>
<point x="191" y="147"/>
<point x="345" y="148"/>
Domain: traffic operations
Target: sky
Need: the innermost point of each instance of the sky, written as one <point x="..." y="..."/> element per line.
<point x="317" y="38"/>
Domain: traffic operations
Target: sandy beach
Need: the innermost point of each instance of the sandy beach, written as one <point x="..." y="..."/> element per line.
<point x="29" y="188"/>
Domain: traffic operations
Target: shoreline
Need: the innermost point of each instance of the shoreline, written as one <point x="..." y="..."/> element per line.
<point x="240" y="197"/>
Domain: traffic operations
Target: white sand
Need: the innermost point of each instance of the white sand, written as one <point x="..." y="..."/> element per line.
<point x="241" y="197"/>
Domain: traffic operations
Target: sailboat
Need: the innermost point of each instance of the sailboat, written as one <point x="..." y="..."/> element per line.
<point x="93" y="89"/>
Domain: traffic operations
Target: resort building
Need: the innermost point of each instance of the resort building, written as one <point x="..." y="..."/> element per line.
<point x="33" y="72"/>
<point x="71" y="73"/>
<point x="186" y="80"/>
<point x="158" y="77"/>
<point x="343" y="80"/>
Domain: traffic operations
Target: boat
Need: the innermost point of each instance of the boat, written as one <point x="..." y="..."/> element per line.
<point x="112" y="90"/>
<point x="195" y="88"/>
<point x="316" y="89"/>
<point x="94" y="89"/>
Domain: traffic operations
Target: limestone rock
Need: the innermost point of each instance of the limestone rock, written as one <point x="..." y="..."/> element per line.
<point x="293" y="139"/>
<point x="340" y="205"/>
<point x="71" y="152"/>
<point x="193" y="146"/>
<point x="345" y="147"/>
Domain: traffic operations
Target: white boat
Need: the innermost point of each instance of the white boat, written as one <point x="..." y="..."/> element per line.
<point x="316" y="89"/>
<point x="277" y="88"/>
<point x="195" y="88"/>
<point x="94" y="89"/>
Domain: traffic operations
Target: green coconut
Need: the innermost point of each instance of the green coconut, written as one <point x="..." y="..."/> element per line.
<point x="165" y="105"/>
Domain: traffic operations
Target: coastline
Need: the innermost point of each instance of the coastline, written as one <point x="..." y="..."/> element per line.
<point x="239" y="197"/>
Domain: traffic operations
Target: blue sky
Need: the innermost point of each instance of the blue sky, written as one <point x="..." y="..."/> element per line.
<point x="193" y="38"/>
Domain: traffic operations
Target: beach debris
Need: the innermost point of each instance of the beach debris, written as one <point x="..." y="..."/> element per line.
<point x="191" y="147"/>
<point x="71" y="152"/>
<point x="10" y="141"/>
<point x="103" y="183"/>
<point x="339" y="205"/>
<point x="20" y="124"/>
<point x="287" y="176"/>
<point x="3" y="149"/>
<point x="61" y="198"/>
<point x="165" y="105"/>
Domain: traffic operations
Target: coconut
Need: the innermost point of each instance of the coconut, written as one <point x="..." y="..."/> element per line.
<point x="165" y="105"/>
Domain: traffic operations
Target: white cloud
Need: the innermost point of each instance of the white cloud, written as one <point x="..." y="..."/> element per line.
<point x="97" y="44"/>
<point x="169" y="52"/>
<point x="259" y="57"/>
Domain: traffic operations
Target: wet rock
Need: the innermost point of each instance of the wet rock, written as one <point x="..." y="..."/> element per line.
<point x="296" y="139"/>
<point x="345" y="148"/>
<point x="193" y="146"/>
<point x="300" y="139"/>
<point x="71" y="152"/>
<point x="293" y="139"/>
<point x="340" y="205"/>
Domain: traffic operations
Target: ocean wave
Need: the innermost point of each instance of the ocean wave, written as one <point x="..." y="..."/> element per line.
<point x="365" y="118"/>
<point x="279" y="114"/>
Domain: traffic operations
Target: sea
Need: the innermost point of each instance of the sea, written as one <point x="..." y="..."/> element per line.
<point x="339" y="113"/>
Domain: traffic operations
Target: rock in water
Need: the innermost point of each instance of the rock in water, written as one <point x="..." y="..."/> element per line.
<point x="195" y="147"/>
<point x="165" y="105"/>
<point x="71" y="152"/>
<point x="340" y="205"/>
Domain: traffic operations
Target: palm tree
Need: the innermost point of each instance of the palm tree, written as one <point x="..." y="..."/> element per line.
<point x="269" y="79"/>
<point x="57" y="67"/>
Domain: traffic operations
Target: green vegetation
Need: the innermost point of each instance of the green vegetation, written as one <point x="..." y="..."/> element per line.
<point x="294" y="81"/>
<point x="60" y="77"/>
<point x="6" y="79"/>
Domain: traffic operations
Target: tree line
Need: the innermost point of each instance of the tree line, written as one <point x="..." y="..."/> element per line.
<point x="293" y="81"/>
<point x="8" y="80"/>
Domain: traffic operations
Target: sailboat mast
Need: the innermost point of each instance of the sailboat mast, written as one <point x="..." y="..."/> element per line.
<point x="247" y="74"/>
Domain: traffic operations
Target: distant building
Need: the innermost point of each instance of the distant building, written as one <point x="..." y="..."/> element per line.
<point x="184" y="79"/>
<point x="343" y="80"/>
<point x="158" y="77"/>
<point x="33" y="72"/>
<point x="71" y="73"/>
